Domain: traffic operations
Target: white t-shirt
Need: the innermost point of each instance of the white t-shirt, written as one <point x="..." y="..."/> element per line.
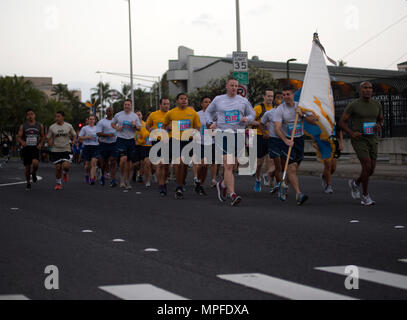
<point x="105" y="126"/>
<point x="206" y="140"/>
<point x="268" y="121"/>
<point x="89" y="131"/>
<point x="230" y="111"/>
<point x="125" y="121"/>
<point x="286" y="115"/>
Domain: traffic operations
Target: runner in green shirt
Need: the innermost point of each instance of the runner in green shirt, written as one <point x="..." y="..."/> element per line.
<point x="367" y="120"/>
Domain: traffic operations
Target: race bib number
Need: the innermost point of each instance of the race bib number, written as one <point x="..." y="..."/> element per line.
<point x="369" y="128"/>
<point x="32" y="141"/>
<point x="127" y="125"/>
<point x="160" y="125"/>
<point x="184" y="125"/>
<point x="298" y="130"/>
<point x="148" y="142"/>
<point x="203" y="128"/>
<point x="232" y="116"/>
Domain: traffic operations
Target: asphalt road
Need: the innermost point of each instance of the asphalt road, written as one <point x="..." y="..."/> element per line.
<point x="203" y="246"/>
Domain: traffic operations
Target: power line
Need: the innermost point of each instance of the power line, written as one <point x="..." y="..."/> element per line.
<point x="375" y="36"/>
<point x="405" y="54"/>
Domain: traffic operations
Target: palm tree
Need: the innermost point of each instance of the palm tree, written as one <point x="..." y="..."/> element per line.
<point x="106" y="95"/>
<point x="60" y="90"/>
<point x="342" y="63"/>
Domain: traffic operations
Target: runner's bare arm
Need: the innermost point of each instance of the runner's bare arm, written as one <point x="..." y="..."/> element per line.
<point x="277" y="128"/>
<point x="343" y="123"/>
<point x="20" y="137"/>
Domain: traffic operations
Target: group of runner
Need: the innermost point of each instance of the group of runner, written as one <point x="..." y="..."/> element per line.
<point x="210" y="138"/>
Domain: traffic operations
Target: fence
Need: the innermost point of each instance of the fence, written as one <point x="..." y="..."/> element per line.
<point x="394" y="112"/>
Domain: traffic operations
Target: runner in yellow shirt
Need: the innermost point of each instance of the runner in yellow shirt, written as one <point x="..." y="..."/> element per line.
<point x="155" y="121"/>
<point x="143" y="146"/>
<point x="178" y="120"/>
<point x="263" y="138"/>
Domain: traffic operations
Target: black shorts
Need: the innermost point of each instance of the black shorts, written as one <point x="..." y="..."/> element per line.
<point x="297" y="152"/>
<point x="60" y="157"/>
<point x="208" y="153"/>
<point x="182" y="145"/>
<point x="262" y="147"/>
<point x="29" y="154"/>
<point x="141" y="153"/>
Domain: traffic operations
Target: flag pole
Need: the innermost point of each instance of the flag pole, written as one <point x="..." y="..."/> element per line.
<point x="289" y="151"/>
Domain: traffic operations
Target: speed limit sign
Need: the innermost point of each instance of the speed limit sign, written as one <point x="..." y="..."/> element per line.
<point x="240" y="61"/>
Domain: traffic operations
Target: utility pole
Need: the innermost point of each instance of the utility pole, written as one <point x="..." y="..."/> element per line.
<point x="239" y="43"/>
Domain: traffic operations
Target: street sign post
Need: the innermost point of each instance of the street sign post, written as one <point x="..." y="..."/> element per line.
<point x="241" y="71"/>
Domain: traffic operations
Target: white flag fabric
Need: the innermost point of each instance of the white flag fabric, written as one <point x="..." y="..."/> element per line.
<point x="316" y="95"/>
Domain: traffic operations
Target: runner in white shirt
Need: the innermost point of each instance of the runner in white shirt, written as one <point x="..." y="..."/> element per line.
<point x="126" y="123"/>
<point x="232" y="112"/>
<point x="88" y="136"/>
<point x="284" y="120"/>
<point x="108" y="147"/>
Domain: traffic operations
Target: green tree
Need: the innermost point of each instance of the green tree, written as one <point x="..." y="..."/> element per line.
<point x="342" y="63"/>
<point x="60" y="91"/>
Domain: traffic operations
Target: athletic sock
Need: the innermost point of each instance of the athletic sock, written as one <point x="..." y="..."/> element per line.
<point x="59" y="181"/>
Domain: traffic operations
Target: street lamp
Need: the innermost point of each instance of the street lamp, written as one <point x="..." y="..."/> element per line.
<point x="288" y="69"/>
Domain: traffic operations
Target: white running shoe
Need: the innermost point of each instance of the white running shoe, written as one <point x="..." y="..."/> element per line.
<point x="148" y="184"/>
<point x="329" y="190"/>
<point x="367" y="201"/>
<point x="355" y="191"/>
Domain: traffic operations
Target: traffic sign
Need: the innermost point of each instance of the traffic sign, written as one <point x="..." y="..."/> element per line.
<point x="242" y="91"/>
<point x="240" y="62"/>
<point x="242" y="77"/>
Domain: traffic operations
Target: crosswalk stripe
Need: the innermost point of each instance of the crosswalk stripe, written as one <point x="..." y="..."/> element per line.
<point x="403" y="260"/>
<point x="13" y="297"/>
<point x="376" y="276"/>
<point x="141" y="292"/>
<point x="282" y="288"/>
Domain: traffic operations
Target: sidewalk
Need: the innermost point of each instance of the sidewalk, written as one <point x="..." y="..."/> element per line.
<point x="347" y="169"/>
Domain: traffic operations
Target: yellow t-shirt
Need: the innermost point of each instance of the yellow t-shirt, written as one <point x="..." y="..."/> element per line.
<point x="156" y="119"/>
<point x="142" y="136"/>
<point x="181" y="120"/>
<point x="258" y="109"/>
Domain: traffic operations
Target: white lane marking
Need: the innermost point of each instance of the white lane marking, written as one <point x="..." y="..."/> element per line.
<point x="403" y="260"/>
<point x="138" y="193"/>
<point x="17" y="183"/>
<point x="151" y="250"/>
<point x="14" y="297"/>
<point x="141" y="292"/>
<point x="371" y="275"/>
<point x="87" y="231"/>
<point x="14" y="209"/>
<point x="355" y="221"/>
<point x="399" y="227"/>
<point x="282" y="288"/>
<point x="118" y="240"/>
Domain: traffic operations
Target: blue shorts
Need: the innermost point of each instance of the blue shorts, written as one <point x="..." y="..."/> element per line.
<point x="297" y="153"/>
<point x="108" y="150"/>
<point x="126" y="148"/>
<point x="262" y="147"/>
<point x="275" y="147"/>
<point x="90" y="152"/>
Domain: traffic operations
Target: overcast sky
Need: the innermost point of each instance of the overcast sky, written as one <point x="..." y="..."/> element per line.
<point x="70" y="40"/>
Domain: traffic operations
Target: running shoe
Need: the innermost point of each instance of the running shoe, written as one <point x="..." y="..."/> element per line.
<point x="28" y="187"/>
<point x="163" y="192"/>
<point x="34" y="177"/>
<point x="257" y="186"/>
<point x="197" y="187"/>
<point x="184" y="187"/>
<point x="222" y="192"/>
<point x="235" y="200"/>
<point x="139" y="179"/>
<point x="274" y="189"/>
<point x="367" y="201"/>
<point x="355" y="191"/>
<point x="202" y="191"/>
<point x="282" y="191"/>
<point x="92" y="182"/>
<point x="148" y="184"/>
<point x="113" y="184"/>
<point x="329" y="190"/>
<point x="179" y="194"/>
<point x="87" y="180"/>
<point x="128" y="186"/>
<point x="301" y="199"/>
<point x="58" y="187"/>
<point x="122" y="185"/>
<point x="266" y="179"/>
<point x="102" y="181"/>
<point x="214" y="183"/>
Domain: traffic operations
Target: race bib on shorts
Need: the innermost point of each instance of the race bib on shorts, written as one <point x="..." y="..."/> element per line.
<point x="232" y="116"/>
<point x="184" y="125"/>
<point x="369" y="128"/>
<point x="32" y="140"/>
<point x="127" y="125"/>
<point x="298" y="130"/>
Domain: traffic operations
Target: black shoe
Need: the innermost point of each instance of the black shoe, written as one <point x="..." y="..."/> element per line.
<point x="28" y="187"/>
<point x="202" y="191"/>
<point x="197" y="187"/>
<point x="34" y="177"/>
<point x="179" y="194"/>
